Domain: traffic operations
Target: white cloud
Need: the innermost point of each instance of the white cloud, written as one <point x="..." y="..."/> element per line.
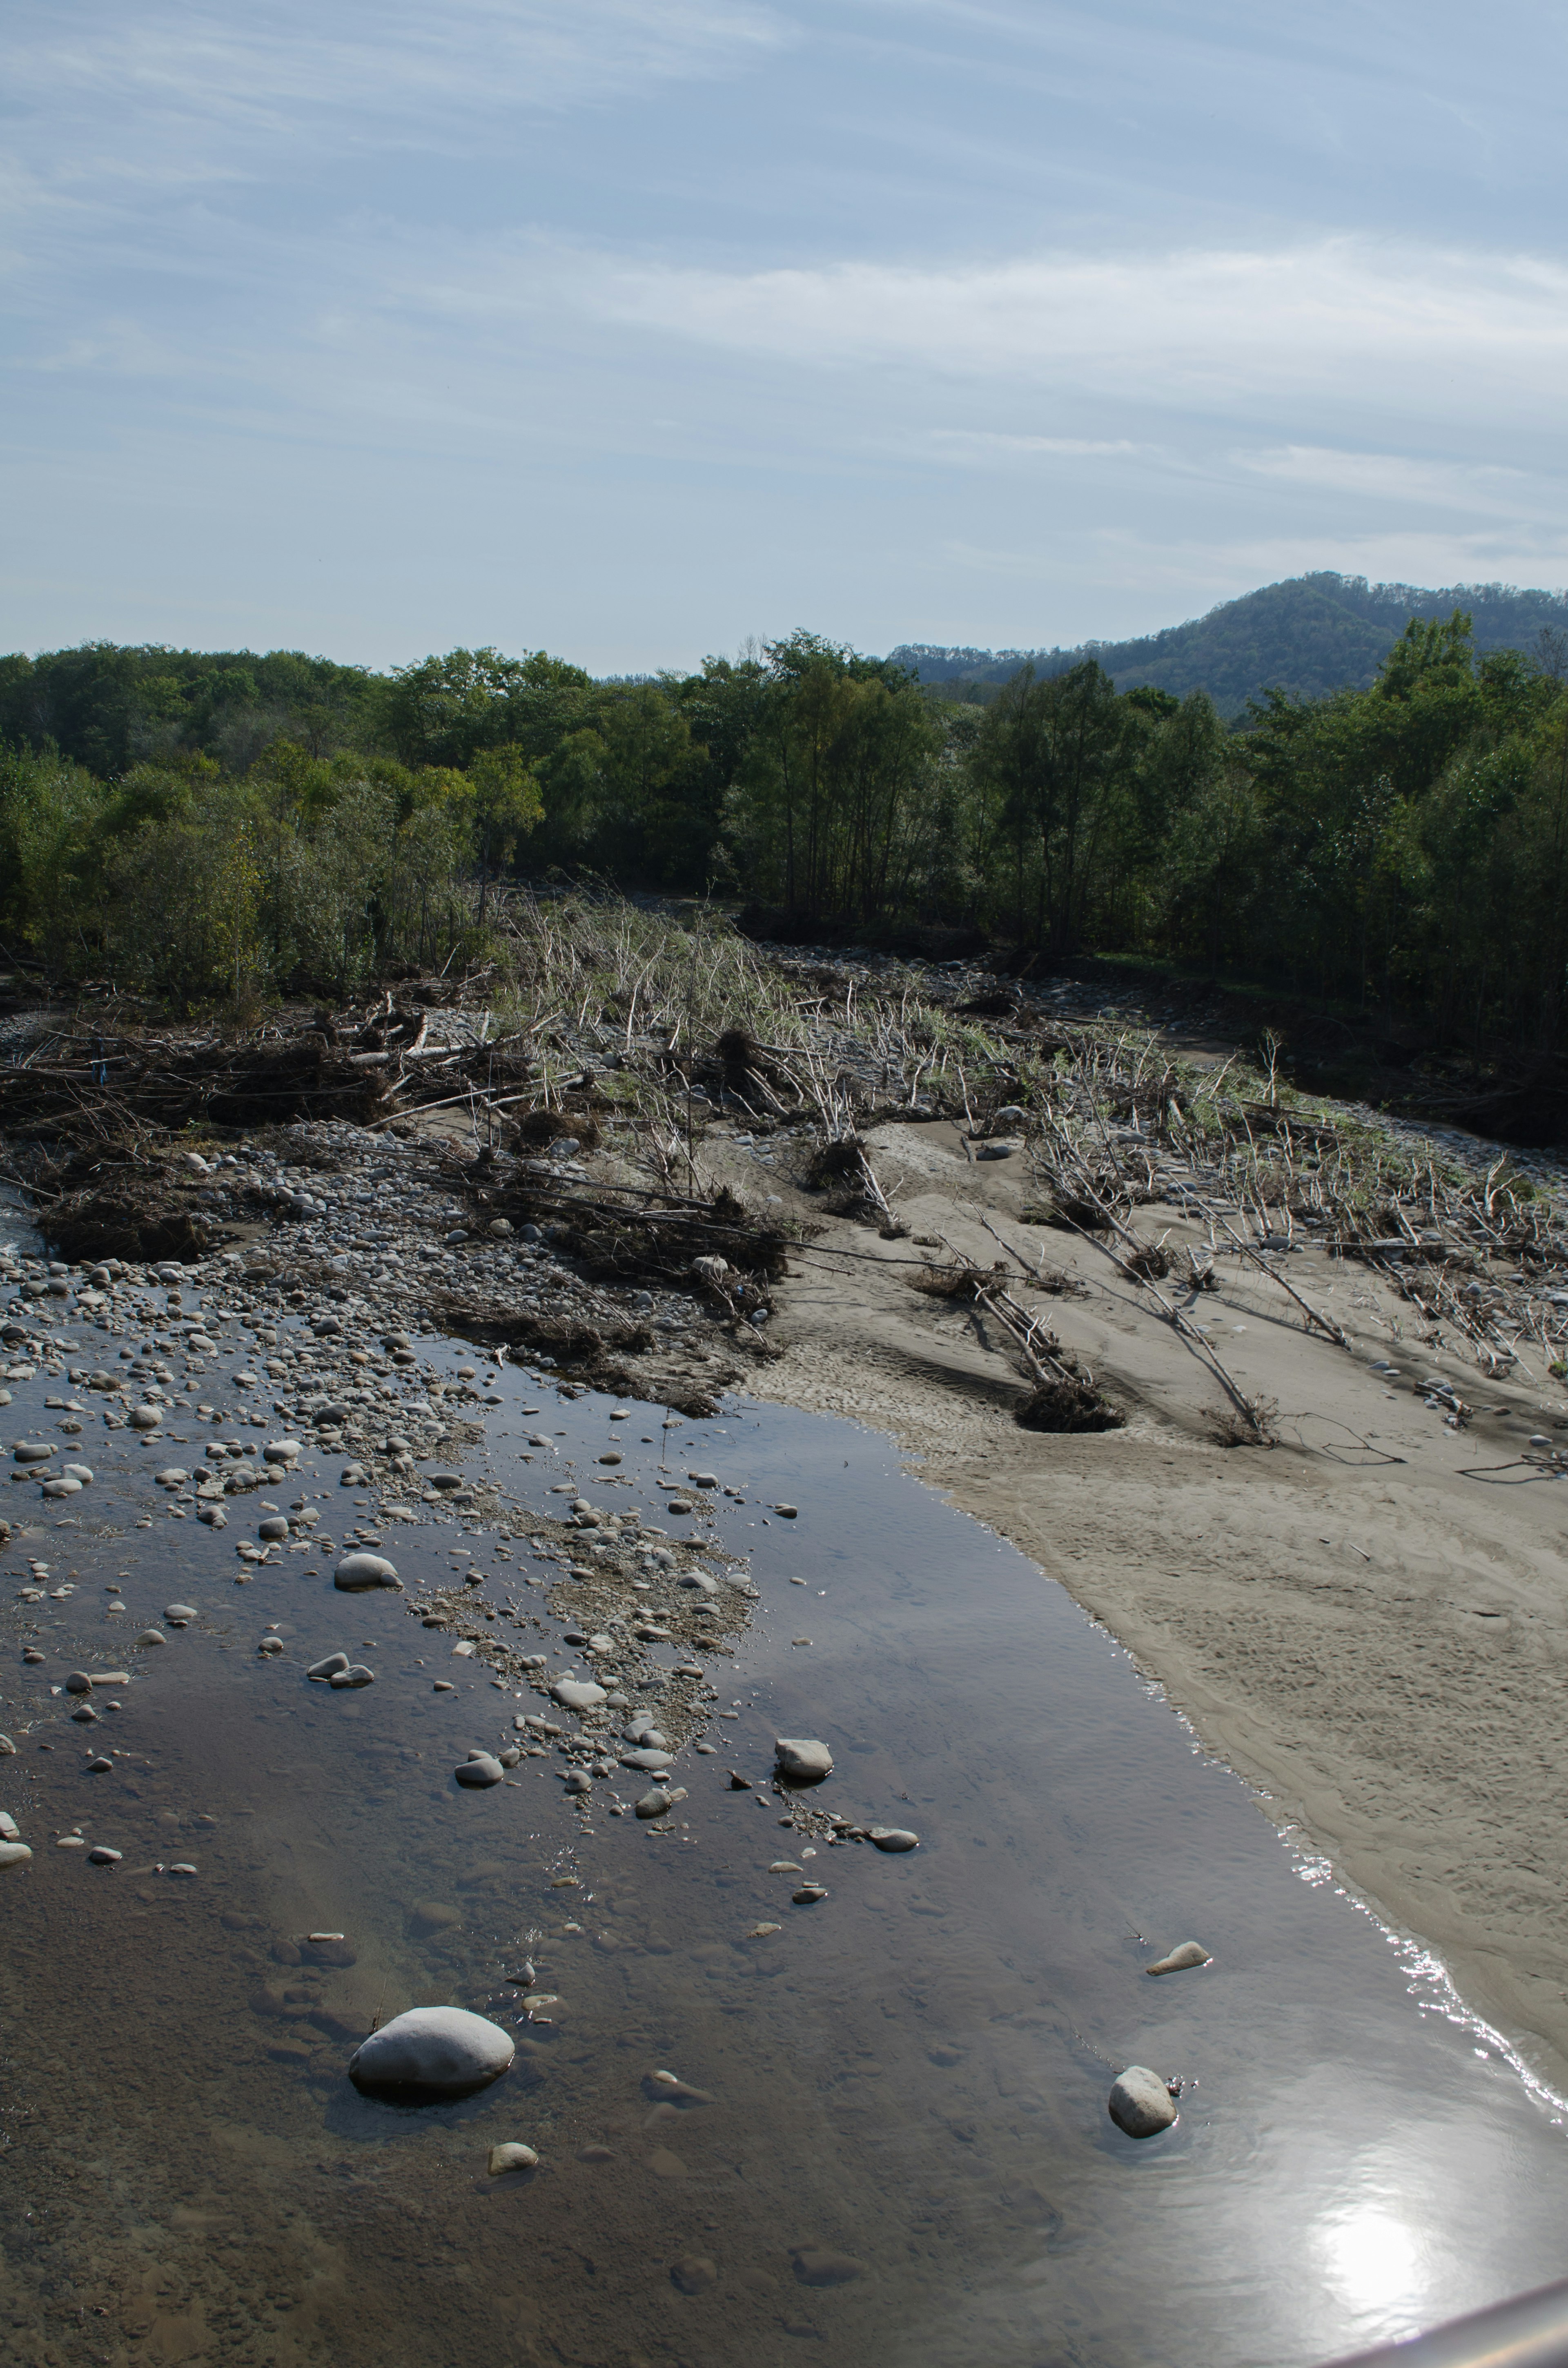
<point x="1350" y="320"/>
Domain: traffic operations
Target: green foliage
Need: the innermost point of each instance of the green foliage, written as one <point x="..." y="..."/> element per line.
<point x="227" y="827"/>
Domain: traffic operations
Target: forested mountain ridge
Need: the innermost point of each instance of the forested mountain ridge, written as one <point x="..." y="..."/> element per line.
<point x="1307" y="636"/>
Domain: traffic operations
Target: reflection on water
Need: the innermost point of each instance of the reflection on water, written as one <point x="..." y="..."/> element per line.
<point x="905" y="2154"/>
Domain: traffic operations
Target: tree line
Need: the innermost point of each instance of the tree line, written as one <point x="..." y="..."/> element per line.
<point x="215" y="828"/>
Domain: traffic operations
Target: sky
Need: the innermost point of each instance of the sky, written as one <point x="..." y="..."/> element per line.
<point x="634" y="328"/>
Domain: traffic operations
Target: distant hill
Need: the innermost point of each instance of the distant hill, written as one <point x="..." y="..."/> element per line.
<point x="1309" y="635"/>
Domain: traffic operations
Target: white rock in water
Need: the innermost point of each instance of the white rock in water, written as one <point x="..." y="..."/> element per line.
<point x="144" y="1417"/>
<point x="61" y="1488"/>
<point x="1140" y="2103"/>
<point x="10" y="1831"/>
<point x="178" y="1615"/>
<point x="329" y="1668"/>
<point x="483" y="1769"/>
<point x="151" y="1636"/>
<point x="894" y="1837"/>
<point x="14" y="1853"/>
<point x="6" y="1746"/>
<point x="31" y="1451"/>
<point x="79" y="1471"/>
<point x="512" y="2157"/>
<point x="807" y="1763"/>
<point x="432" y="2052"/>
<point x="357" y="1572"/>
<point x="1191" y="1952"/>
<point x="172" y="1477"/>
<point x="577" y="1693"/>
<point x="282" y="1450"/>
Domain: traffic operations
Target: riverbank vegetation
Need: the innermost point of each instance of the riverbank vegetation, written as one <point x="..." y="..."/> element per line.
<point x="218" y="829"/>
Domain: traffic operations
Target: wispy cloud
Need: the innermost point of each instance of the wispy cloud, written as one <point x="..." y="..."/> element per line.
<point x="982" y="443"/>
<point x="1348" y="319"/>
<point x="1400" y="478"/>
<point x="171" y="87"/>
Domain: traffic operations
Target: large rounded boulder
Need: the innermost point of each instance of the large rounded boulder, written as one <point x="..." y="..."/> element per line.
<point x="431" y="2053"/>
<point x="356" y="1574"/>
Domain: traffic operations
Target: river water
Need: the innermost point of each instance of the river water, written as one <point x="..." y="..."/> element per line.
<point x="910" y="2074"/>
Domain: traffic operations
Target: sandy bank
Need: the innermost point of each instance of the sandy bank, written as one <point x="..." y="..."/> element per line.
<point x="1366" y="1621"/>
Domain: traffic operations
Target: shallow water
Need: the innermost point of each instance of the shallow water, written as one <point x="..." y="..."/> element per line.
<point x="912" y="2072"/>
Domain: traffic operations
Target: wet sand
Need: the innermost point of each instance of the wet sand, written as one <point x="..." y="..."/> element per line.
<point x="1367" y="1621"/>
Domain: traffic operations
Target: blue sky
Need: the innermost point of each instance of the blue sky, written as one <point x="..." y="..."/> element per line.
<point x="632" y="330"/>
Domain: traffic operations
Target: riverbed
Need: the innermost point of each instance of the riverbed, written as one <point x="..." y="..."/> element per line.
<point x="906" y="2078"/>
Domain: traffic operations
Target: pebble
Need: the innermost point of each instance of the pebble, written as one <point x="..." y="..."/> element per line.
<point x="1191" y="1952"/>
<point x="894" y="1837"/>
<point x="329" y="1668"/>
<point x="6" y="1747"/>
<point x="693" y="2273"/>
<point x="787" y="1512"/>
<point x="10" y="1831"/>
<point x="1140" y="2103"/>
<point x="271" y="1644"/>
<point x="183" y="1867"/>
<point x="171" y="1476"/>
<point x="577" y="1693"/>
<point x="144" y="1417"/>
<point x="483" y="1769"/>
<point x="652" y="1763"/>
<point x="82" y="1471"/>
<point x="816" y="2266"/>
<point x="431" y="2052"/>
<point x="577" y="1783"/>
<point x="808" y="1895"/>
<point x="358" y="1572"/>
<point x="31" y="1451"/>
<point x="100" y="1767"/>
<point x="14" y="1853"/>
<point x="102" y="1855"/>
<point x="273" y="1529"/>
<point x="443" y="1686"/>
<point x="804" y="1761"/>
<point x="359" y="1675"/>
<point x="179" y="1616"/>
<point x="62" y="1488"/>
<point x="282" y="1450"/>
<point x="151" y="1636"/>
<point x="656" y="1804"/>
<point x="511" y="2156"/>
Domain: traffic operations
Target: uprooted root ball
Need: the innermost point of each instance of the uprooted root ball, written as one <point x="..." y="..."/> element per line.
<point x="1067" y="1405"/>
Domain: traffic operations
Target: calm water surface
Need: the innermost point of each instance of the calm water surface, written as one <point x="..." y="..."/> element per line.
<point x="912" y="2072"/>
